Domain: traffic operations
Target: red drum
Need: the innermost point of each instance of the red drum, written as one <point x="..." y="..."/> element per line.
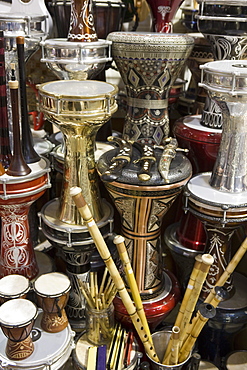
<point x="13" y="286"/>
<point x="51" y="351"/>
<point x="203" y="142"/>
<point x="16" y="196"/>
<point x="52" y="291"/>
<point x="108" y="16"/>
<point x="17" y="319"/>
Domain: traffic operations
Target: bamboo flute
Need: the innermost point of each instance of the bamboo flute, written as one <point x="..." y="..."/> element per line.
<point x="174" y="345"/>
<point x="179" y="318"/>
<point x="205" y="312"/>
<point x="106" y="256"/>
<point x="123" y="254"/>
<point x="207" y="261"/>
<point x="229" y="269"/>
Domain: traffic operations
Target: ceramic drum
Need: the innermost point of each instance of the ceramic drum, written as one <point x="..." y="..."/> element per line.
<point x="17" y="193"/>
<point x="16" y="320"/>
<point x="52" y="292"/>
<point x="149" y="64"/>
<point x="13" y="286"/>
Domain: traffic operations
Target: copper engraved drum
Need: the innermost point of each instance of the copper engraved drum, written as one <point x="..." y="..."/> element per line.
<point x="16" y="320"/>
<point x="52" y="291"/>
<point x="17" y="193"/>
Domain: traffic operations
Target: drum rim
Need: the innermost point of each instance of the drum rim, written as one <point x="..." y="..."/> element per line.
<point x="150" y="36"/>
<point x="55" y="295"/>
<point x="73" y="44"/>
<point x="17" y="295"/>
<point x="21" y="17"/>
<point x="60" y="96"/>
<point x="23" y="324"/>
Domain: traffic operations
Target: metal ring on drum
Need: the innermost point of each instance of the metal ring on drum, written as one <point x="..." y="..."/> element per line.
<point x="75" y="60"/>
<point x="49" y="353"/>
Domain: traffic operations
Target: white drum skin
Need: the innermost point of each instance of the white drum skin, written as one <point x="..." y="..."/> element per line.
<point x="237" y="360"/>
<point x="17" y="312"/>
<point x="52" y="284"/>
<point x="13" y="286"/>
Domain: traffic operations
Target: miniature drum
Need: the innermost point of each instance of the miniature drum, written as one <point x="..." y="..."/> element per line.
<point x="236" y="360"/>
<point x="79" y="354"/>
<point x="13" y="286"/>
<point x="75" y="60"/>
<point x="108" y="16"/>
<point x="51" y="352"/>
<point x="20" y="24"/>
<point x="212" y="205"/>
<point x="16" y="320"/>
<point x="52" y="291"/>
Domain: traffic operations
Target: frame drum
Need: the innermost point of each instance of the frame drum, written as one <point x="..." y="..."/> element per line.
<point x="51" y="352"/>
<point x="13" y="286"/>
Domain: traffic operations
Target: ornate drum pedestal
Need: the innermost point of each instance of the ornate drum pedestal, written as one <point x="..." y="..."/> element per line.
<point x="17" y="193"/>
<point x="142" y="205"/>
<point x="79" y="109"/>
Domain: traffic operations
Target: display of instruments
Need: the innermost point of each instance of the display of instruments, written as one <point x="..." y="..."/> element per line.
<point x="219" y="198"/>
<point x="149" y="64"/>
<point x="79" y="111"/>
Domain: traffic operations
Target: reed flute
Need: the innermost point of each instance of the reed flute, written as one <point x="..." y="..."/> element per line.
<point x="118" y="281"/>
<point x="123" y="254"/>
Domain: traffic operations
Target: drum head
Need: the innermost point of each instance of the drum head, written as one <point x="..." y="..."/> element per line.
<point x="75" y="89"/>
<point x="237" y="360"/>
<point x="52" y="284"/>
<point x="17" y="312"/>
<point x="13" y="286"/>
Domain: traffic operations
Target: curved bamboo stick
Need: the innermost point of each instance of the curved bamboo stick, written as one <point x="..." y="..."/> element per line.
<point x="123" y="254"/>
<point x="106" y="256"/>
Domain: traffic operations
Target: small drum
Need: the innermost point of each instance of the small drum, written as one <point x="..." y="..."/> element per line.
<point x="52" y="351"/>
<point x="52" y="291"/>
<point x="17" y="319"/>
<point x="236" y="360"/>
<point x="79" y="355"/>
<point x="108" y="16"/>
<point x="13" y="286"/>
<point x="42" y="146"/>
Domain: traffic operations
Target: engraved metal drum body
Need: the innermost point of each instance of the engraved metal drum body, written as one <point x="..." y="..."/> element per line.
<point x="51" y="352"/>
<point x="79" y="111"/>
<point x="16" y="320"/>
<point x="149" y="64"/>
<point x="17" y="193"/>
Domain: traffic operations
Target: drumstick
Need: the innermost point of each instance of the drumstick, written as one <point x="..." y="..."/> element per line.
<point x="112" y="268"/>
<point x="123" y="254"/>
<point x="179" y="318"/>
<point x="229" y="269"/>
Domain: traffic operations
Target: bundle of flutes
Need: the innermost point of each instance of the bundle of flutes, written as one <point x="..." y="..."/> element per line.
<point x="113" y="270"/>
<point x="100" y="319"/>
<point x="191" y="327"/>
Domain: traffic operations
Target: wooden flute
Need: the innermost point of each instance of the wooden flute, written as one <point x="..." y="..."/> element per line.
<point x="112" y="268"/>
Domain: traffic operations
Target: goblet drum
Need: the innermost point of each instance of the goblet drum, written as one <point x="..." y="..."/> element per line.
<point x="13" y="286"/>
<point x="149" y="63"/>
<point x="142" y="205"/>
<point x="52" y="291"/>
<point x="16" y="320"/>
<point x="51" y="352"/>
<point x="79" y="111"/>
<point x="163" y="12"/>
<point x="17" y="193"/>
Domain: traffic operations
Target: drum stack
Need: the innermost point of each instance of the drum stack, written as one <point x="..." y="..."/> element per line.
<point x="144" y="175"/>
<point x="218" y="199"/>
